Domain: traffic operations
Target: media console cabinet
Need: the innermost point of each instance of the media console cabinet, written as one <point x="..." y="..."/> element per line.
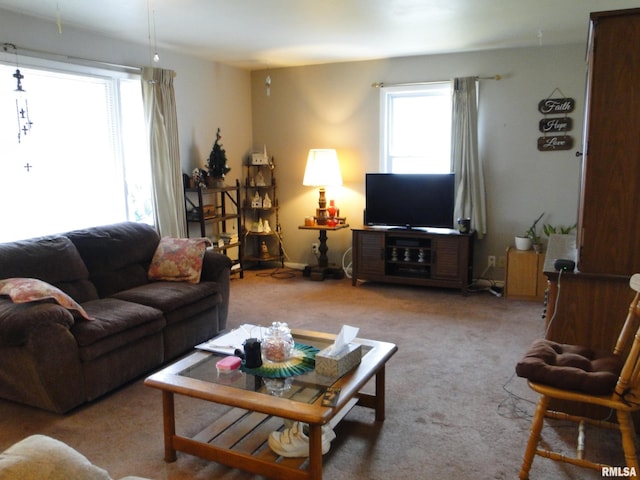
<point x="425" y="257"/>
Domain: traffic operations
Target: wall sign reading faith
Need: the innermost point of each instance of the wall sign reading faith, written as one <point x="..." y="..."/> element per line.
<point x="556" y="105"/>
<point x="560" y="124"/>
<point x="556" y="142"/>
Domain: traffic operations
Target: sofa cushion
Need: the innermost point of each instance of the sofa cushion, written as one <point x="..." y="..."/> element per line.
<point x="116" y="323"/>
<point x="172" y="296"/>
<point x="54" y="260"/>
<point x="45" y="458"/>
<point x="178" y="259"/>
<point x="27" y="290"/>
<point x="570" y="367"/>
<point x="117" y="256"/>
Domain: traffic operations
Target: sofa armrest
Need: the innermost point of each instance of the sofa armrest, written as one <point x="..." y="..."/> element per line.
<point x="217" y="268"/>
<point x="39" y="359"/>
<point x="18" y="320"/>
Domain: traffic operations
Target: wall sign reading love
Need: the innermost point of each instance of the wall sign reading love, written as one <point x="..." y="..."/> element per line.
<point x="554" y="127"/>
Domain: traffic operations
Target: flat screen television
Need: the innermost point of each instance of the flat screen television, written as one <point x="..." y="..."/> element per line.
<point x="410" y="200"/>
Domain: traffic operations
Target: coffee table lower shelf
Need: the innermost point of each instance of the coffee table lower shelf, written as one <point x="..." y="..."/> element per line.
<point x="239" y="439"/>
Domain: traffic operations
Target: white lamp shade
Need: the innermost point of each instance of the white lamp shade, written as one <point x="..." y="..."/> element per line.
<point x="323" y="169"/>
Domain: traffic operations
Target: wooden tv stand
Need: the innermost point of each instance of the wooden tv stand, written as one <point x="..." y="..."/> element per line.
<point x="425" y="257"/>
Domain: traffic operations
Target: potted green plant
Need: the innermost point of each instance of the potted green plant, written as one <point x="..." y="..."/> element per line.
<point x="530" y="237"/>
<point x="559" y="230"/>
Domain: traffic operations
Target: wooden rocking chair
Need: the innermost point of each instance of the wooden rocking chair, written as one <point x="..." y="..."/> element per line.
<point x="623" y="397"/>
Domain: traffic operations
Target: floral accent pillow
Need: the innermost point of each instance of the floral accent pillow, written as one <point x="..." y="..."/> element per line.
<point x="178" y="259"/>
<point x="25" y="290"/>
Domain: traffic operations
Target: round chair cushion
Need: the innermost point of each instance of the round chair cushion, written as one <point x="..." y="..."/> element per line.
<point x="570" y="367"/>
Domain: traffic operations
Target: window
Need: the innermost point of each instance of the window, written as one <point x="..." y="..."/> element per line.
<point x="84" y="162"/>
<point x="416" y="128"/>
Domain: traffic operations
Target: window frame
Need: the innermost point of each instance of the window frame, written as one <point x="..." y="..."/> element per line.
<point x="111" y="77"/>
<point x="387" y="95"/>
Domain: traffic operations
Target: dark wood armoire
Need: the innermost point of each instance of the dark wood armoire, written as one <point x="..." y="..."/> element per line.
<point x="595" y="298"/>
<point x="609" y="221"/>
<point x="588" y="306"/>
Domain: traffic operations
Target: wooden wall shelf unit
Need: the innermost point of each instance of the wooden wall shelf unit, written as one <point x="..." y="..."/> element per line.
<point x="211" y="208"/>
<point x="525" y="279"/>
<point x="261" y="246"/>
<point x="433" y="258"/>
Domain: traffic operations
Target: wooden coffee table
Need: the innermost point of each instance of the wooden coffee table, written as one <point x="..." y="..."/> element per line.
<point x="238" y="438"/>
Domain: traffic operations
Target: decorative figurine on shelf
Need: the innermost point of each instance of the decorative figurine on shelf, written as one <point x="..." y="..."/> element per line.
<point x="199" y="178"/>
<point x="266" y="227"/>
<point x="260" y="226"/>
<point x="260" y="179"/>
<point x="407" y="255"/>
<point x="257" y="201"/>
<point x="421" y="255"/>
<point x="217" y="162"/>
<point x="394" y="254"/>
<point x="264" y="251"/>
<point x="266" y="203"/>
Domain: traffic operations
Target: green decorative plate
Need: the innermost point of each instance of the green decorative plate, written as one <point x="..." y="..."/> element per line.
<point x="302" y="361"/>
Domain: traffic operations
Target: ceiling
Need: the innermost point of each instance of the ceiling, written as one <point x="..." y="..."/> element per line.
<point x="255" y="34"/>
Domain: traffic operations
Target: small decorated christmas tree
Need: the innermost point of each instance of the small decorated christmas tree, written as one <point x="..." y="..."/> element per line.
<point x="217" y="163"/>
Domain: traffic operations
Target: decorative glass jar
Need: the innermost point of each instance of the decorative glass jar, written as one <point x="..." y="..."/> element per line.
<point x="332" y="209"/>
<point x="278" y="344"/>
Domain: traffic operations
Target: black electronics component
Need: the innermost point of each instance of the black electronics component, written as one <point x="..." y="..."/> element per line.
<point x="564" y="264"/>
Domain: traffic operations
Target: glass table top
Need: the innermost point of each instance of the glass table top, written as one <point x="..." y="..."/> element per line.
<point x="306" y="387"/>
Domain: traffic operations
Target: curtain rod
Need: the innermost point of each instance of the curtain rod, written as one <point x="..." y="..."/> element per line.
<point x="383" y="84"/>
<point x="57" y="56"/>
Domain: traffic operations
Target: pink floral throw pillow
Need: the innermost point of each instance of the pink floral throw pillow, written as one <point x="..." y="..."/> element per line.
<point x="178" y="259"/>
<point x="24" y="290"/>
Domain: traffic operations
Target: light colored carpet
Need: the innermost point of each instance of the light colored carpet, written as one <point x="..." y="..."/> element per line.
<point x="449" y="415"/>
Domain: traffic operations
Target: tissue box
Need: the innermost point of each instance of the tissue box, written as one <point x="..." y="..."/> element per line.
<point x="329" y="365"/>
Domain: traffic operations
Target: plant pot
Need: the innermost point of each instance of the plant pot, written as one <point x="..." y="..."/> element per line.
<point x="537" y="247"/>
<point x="215" y="182"/>
<point x="523" y="243"/>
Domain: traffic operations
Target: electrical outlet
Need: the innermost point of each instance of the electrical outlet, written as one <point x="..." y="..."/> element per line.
<point x="491" y="261"/>
<point x="502" y="261"/>
<point x="314" y="248"/>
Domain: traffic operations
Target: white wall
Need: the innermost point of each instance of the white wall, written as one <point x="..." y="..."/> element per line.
<point x="335" y="106"/>
<point x="208" y="95"/>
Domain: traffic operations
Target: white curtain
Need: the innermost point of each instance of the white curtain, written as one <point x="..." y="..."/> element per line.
<point x="162" y="126"/>
<point x="470" y="191"/>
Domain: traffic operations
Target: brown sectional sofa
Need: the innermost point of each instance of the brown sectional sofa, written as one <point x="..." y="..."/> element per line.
<point x="53" y="359"/>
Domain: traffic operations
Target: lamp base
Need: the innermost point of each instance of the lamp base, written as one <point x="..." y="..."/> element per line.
<point x="318" y="273"/>
<point x="321" y="211"/>
<point x="321" y="216"/>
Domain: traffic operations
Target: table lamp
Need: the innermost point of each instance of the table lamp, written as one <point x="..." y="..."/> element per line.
<point x="323" y="170"/>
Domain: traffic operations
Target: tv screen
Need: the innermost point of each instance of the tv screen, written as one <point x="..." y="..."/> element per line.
<point x="410" y="200"/>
